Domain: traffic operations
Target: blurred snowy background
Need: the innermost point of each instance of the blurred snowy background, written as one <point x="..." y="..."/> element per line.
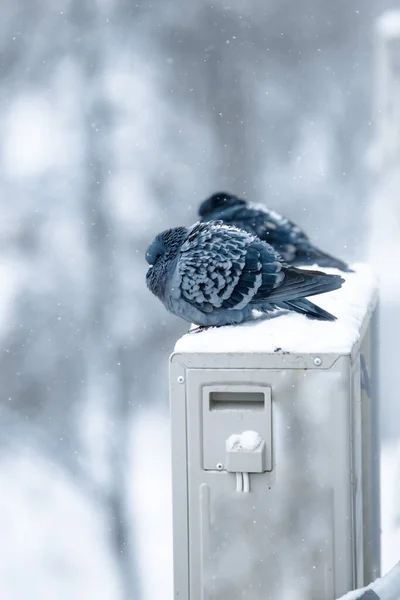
<point x="117" y="118"/>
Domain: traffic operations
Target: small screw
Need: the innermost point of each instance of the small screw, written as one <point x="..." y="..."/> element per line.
<point x="317" y="362"/>
<point x="180" y="379"/>
<point x="219" y="466"/>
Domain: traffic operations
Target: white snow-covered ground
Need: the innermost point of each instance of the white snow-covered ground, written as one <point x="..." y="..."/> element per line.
<point x="152" y="504"/>
<point x="53" y="545"/>
<point x="294" y="332"/>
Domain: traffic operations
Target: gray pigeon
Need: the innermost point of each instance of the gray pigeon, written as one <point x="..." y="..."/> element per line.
<point x="292" y="243"/>
<point x="212" y="274"/>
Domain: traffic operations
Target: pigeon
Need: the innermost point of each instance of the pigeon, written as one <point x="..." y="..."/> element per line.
<point x="288" y="239"/>
<point x="212" y="274"/>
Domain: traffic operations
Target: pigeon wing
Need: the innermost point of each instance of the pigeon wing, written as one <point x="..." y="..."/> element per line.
<point x="280" y="232"/>
<point x="296" y="283"/>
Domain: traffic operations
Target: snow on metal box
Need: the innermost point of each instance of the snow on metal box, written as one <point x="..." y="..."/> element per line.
<point x="306" y="524"/>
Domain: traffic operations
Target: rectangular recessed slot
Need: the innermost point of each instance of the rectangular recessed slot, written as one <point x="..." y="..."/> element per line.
<point x="237" y="401"/>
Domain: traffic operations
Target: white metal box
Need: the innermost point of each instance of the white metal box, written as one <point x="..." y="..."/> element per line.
<point x="305" y="522"/>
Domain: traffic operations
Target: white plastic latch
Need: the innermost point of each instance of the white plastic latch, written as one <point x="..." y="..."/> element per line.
<point x="245" y="453"/>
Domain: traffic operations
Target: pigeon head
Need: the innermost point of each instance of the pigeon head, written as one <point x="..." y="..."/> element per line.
<point x="155" y="251"/>
<point x="217" y="202"/>
<point x="161" y="255"/>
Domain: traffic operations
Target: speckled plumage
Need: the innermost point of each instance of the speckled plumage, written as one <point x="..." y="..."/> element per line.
<point x="286" y="237"/>
<point x="213" y="274"/>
